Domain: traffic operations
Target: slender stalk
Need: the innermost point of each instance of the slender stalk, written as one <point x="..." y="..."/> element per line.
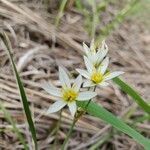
<point x="73" y="124"/>
<point x="94" y="22"/>
<point x="68" y="135"/>
<point x="60" y="13"/>
<point x="57" y="129"/>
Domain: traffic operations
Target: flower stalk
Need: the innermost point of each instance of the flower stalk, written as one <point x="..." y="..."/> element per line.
<point x="69" y="134"/>
<point x="96" y="74"/>
<point x="57" y="129"/>
<point x="76" y="118"/>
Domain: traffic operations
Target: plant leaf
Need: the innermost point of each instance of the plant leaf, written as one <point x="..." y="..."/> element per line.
<point x="6" y="41"/>
<point x="12" y="122"/>
<point x="100" y="112"/>
<point x="130" y="91"/>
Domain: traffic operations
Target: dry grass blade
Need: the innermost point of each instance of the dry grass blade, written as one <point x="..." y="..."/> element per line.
<point x="47" y="28"/>
<point x="30" y="26"/>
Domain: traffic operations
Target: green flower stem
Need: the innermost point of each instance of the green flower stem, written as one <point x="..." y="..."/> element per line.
<point x="85" y="109"/>
<point x="69" y="134"/>
<point x="77" y="116"/>
<point x="57" y="128"/>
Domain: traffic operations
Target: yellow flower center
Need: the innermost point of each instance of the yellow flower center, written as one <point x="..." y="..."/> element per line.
<point x="97" y="77"/>
<point x="69" y="95"/>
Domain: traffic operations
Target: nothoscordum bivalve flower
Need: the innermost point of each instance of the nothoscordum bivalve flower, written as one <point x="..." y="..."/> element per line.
<point x="95" y="55"/>
<point x="68" y="94"/>
<point x="97" y="76"/>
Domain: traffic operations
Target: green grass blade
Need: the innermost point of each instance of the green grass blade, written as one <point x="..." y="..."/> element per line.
<point x="12" y="122"/>
<point x="100" y="112"/>
<point x="79" y="5"/>
<point x="60" y="13"/>
<point x="119" y="18"/>
<point x="130" y="91"/>
<point x="21" y="89"/>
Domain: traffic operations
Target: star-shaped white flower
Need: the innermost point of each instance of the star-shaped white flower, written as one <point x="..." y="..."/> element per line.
<point x="95" y="55"/>
<point x="97" y="76"/>
<point x="68" y="94"/>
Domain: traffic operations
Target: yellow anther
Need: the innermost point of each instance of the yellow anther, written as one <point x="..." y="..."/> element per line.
<point x="97" y="77"/>
<point x="69" y="95"/>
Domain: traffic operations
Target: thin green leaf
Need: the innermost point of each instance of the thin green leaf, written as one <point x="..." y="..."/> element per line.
<point x="60" y="13"/>
<point x="99" y="112"/>
<point x="130" y="91"/>
<point x="12" y="122"/>
<point x="21" y="89"/>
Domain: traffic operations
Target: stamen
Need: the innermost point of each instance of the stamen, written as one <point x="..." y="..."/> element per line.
<point x="97" y="77"/>
<point x="69" y="95"/>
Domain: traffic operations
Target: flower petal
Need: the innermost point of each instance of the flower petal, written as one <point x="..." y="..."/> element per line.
<point x="103" y="67"/>
<point x="77" y="83"/>
<point x="104" y="45"/>
<point x="88" y="64"/>
<point x="92" y="58"/>
<point x="49" y="88"/>
<point x="83" y="96"/>
<point x="64" y="79"/>
<point x="73" y="108"/>
<point x="86" y="48"/>
<point x="103" y="84"/>
<point x="113" y="75"/>
<point x="88" y="83"/>
<point x="84" y="73"/>
<point x="56" y="106"/>
<point x="101" y="52"/>
<point x="92" y="46"/>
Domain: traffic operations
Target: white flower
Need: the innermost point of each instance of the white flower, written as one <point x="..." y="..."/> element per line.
<point x="97" y="76"/>
<point x="68" y="94"/>
<point x="95" y="56"/>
